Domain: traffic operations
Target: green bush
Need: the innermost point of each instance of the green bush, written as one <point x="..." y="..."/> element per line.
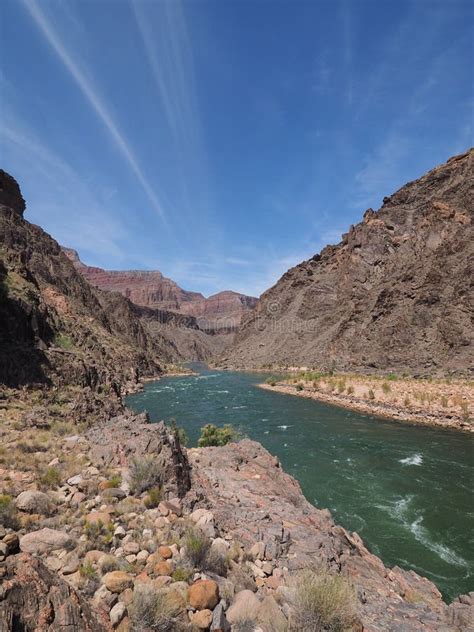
<point x="386" y="388"/>
<point x="51" y="478"/>
<point x="8" y="512"/>
<point x="154" y="497"/>
<point x="197" y="546"/>
<point x="350" y="390"/>
<point x="299" y="387"/>
<point x="87" y="571"/>
<point x="145" y="473"/>
<point x="322" y="601"/>
<point x="182" y="574"/>
<point x="179" y="433"/>
<point x="64" y="342"/>
<point x="371" y="394"/>
<point x="213" y="436"/>
<point x="271" y="381"/>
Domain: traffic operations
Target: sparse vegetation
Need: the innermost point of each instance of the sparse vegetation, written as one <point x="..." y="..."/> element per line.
<point x="88" y="571"/>
<point x="154" y="497"/>
<point x="145" y="473"/>
<point x="322" y="601"/>
<point x="371" y="394"/>
<point x="350" y="390"/>
<point x="214" y="436"/>
<point x="179" y="433"/>
<point x="299" y="387"/>
<point x="182" y="574"/>
<point x="386" y="388"/>
<point x="51" y="478"/>
<point x="8" y="512"/>
<point x="63" y="342"/>
<point x="197" y="546"/>
<point x="151" y="609"/>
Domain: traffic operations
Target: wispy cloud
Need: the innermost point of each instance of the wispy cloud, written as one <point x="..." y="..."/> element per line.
<point x="64" y="205"/>
<point x="90" y="93"/>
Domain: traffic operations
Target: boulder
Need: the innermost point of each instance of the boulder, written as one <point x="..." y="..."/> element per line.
<point x="117" y="581"/>
<point x="203" y="594"/>
<point x="219" y="621"/>
<point x="165" y="552"/>
<point x="45" y="541"/>
<point x="34" y="502"/>
<point x="117" y="613"/>
<point x="202" y="619"/>
<point x="245" y="606"/>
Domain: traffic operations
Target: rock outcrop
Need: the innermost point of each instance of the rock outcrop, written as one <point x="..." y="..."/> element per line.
<point x="249" y="496"/>
<point x="119" y="440"/>
<point x="34" y="598"/>
<point x="56" y="328"/>
<point x="397" y="293"/>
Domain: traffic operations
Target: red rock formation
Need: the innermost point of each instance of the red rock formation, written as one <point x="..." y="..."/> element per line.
<point x="223" y="311"/>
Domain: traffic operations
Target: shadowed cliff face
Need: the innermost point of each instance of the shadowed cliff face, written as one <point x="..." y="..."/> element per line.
<point x="219" y="312"/>
<point x="395" y="294"/>
<point x="54" y="327"/>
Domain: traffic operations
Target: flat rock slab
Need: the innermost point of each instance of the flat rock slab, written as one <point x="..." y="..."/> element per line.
<point x="45" y="541"/>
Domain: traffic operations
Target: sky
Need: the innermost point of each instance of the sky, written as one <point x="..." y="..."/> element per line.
<point x="224" y="141"/>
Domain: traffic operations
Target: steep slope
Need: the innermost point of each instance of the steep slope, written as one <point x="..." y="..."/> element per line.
<point x="395" y="294"/>
<point x="54" y="327"/>
<point x="222" y="311"/>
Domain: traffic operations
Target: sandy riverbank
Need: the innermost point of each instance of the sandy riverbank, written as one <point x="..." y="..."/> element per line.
<point x="446" y="405"/>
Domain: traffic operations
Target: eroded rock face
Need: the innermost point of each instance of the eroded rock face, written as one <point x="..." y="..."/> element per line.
<point x="263" y="507"/>
<point x="10" y="194"/>
<point x="396" y="293"/>
<point x="54" y="327"/>
<point x="34" y="598"/>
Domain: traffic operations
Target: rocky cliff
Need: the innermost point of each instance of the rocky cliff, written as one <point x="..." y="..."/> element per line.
<point x="54" y="327"/>
<point x="395" y="294"/>
<point x="221" y="312"/>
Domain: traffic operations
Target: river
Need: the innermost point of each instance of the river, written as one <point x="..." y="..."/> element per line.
<point x="407" y="490"/>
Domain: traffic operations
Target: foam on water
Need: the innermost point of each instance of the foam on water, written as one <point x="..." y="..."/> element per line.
<point x="441" y="550"/>
<point x="416" y="459"/>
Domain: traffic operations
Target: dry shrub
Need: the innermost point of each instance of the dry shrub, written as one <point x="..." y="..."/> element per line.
<point x="152" y="610"/>
<point x="322" y="601"/>
<point x="145" y="473"/>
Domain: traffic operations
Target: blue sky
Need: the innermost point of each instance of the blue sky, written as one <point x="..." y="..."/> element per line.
<point x="222" y="142"/>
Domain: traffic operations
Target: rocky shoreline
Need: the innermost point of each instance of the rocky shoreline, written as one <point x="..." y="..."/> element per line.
<point x="220" y="539"/>
<point x="396" y="411"/>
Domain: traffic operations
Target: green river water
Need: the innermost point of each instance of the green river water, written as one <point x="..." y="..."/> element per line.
<point x="407" y="490"/>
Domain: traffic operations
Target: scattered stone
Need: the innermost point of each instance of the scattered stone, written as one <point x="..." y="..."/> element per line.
<point x="163" y="568"/>
<point x="204" y="594"/>
<point x="202" y="619"/>
<point x="117" y="613"/>
<point x="95" y="517"/>
<point x="12" y="543"/>
<point x="219" y="620"/>
<point x="165" y="552"/>
<point x="117" y="581"/>
<point x="245" y="606"/>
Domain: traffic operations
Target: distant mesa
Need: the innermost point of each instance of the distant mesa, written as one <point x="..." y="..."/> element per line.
<point x="223" y="310"/>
